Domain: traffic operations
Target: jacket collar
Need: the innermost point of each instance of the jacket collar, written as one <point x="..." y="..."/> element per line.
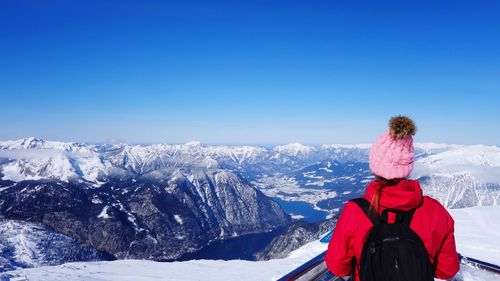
<point x="404" y="196"/>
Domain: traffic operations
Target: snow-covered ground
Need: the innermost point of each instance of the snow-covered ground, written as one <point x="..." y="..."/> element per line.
<point x="477" y="234"/>
<point x="143" y="270"/>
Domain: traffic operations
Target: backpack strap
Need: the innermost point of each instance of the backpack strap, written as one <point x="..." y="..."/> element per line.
<point x="408" y="216"/>
<point x="402" y="217"/>
<point x="364" y="205"/>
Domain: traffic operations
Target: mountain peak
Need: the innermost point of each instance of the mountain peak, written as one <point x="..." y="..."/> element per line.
<point x="193" y="143"/>
<point x="294" y="149"/>
<point x="210" y="163"/>
<point x="26" y="143"/>
<point x="347" y="146"/>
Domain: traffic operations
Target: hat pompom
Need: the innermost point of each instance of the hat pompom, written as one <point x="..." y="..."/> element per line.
<point x="402" y="127"/>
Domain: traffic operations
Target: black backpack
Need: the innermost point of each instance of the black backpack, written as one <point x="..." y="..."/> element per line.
<point x="393" y="252"/>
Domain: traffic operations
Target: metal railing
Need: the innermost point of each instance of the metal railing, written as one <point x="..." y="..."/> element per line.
<point x="480" y="264"/>
<point x="316" y="270"/>
<point x="313" y="270"/>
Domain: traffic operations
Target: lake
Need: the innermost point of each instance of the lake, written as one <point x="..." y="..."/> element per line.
<point x="302" y="208"/>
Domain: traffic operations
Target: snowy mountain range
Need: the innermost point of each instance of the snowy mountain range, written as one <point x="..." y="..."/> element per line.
<point x="157" y="202"/>
<point x="33" y="159"/>
<point x="162" y="201"/>
<point x="462" y="177"/>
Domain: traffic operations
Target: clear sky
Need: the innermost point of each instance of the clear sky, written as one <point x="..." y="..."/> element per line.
<point x="249" y="72"/>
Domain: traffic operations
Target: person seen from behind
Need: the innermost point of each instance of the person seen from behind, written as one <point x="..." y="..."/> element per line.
<point x="393" y="232"/>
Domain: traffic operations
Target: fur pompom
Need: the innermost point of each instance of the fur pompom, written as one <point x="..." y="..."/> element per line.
<point x="402" y="127"/>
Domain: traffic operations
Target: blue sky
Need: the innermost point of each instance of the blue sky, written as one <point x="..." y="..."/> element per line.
<point x="249" y="72"/>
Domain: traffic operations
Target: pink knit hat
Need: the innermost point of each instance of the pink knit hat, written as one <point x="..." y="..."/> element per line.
<point x="392" y="154"/>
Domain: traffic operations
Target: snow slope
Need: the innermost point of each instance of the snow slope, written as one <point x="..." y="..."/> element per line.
<point x="27" y="244"/>
<point x="462" y="177"/>
<point x="477" y="234"/>
<point x="480" y="161"/>
<point x="143" y="270"/>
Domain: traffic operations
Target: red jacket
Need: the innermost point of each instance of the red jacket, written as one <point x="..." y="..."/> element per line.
<point x="431" y="222"/>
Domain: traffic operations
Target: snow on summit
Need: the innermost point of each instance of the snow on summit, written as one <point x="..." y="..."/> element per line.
<point x="193" y="143"/>
<point x="33" y="158"/>
<point x="294" y="149"/>
<point x="480" y="161"/>
<point x="351" y="146"/>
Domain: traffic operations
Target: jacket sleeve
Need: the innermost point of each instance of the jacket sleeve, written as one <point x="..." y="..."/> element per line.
<point x="340" y="253"/>
<point x="446" y="260"/>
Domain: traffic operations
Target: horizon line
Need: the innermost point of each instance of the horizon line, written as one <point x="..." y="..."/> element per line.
<point x="262" y="145"/>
